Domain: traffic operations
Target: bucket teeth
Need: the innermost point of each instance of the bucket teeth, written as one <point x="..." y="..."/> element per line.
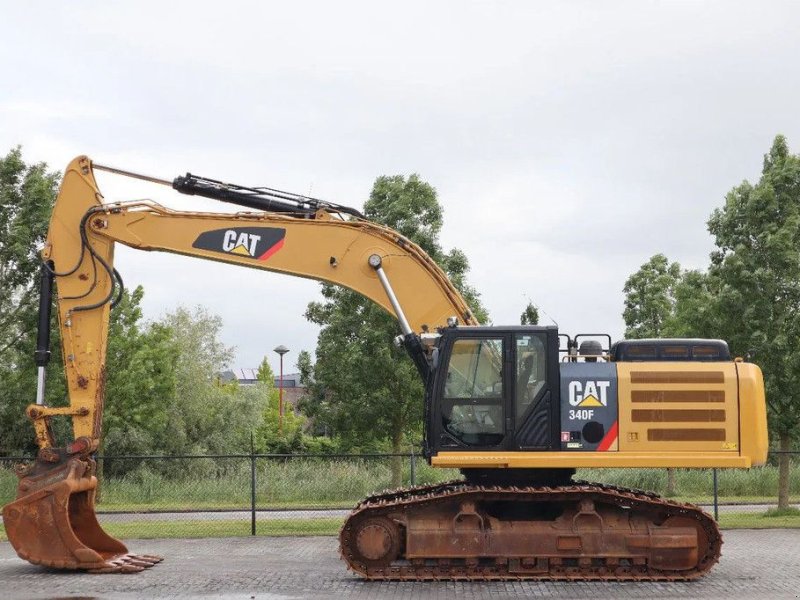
<point x="53" y="521"/>
<point x="127" y="563"/>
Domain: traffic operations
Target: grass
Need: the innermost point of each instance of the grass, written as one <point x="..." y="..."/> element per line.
<point x="759" y="484"/>
<point x="225" y="484"/>
<point x="210" y="529"/>
<point x="206" y="484"/>
<point x="205" y="529"/>
<point x="772" y="519"/>
<point x="783" y="512"/>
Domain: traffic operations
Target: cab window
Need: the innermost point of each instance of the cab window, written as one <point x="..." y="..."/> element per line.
<point x="531" y="371"/>
<point x="472" y="407"/>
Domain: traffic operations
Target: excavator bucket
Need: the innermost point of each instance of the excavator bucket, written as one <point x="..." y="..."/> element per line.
<point x="53" y="522"/>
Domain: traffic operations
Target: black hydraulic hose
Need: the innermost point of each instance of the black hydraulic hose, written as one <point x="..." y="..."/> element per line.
<point x="96" y="256"/>
<point x="80" y="256"/>
<point x="91" y="287"/>
<point x="69" y="272"/>
<point x="117" y="285"/>
<point x="121" y="291"/>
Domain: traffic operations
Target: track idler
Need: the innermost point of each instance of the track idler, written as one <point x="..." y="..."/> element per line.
<point x="53" y="522"/>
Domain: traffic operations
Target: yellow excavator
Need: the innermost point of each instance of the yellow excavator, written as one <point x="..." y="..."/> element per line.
<point x="516" y="409"/>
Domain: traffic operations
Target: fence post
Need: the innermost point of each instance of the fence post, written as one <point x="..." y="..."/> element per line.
<point x="413" y="468"/>
<point x="716" y="499"/>
<point x="252" y="487"/>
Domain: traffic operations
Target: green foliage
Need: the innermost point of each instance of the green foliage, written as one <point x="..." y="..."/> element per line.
<point x="757" y="270"/>
<point x="529" y="316"/>
<point x="27" y="194"/>
<point x="367" y="387"/>
<point x="661" y="300"/>
<point x="271" y="437"/>
<point x="140" y="381"/>
<point x="363" y="388"/>
<point x="694" y="312"/>
<point x="410" y="207"/>
<point x="205" y="416"/>
<point x="650" y="298"/>
<point x="265" y="374"/>
<point x="783" y="512"/>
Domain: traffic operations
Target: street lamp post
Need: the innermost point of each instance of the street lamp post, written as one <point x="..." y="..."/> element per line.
<point x="281" y="350"/>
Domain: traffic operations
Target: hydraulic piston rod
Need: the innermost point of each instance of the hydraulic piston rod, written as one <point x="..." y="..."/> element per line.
<point x="259" y="198"/>
<point x="42" y="354"/>
<point x="376" y="263"/>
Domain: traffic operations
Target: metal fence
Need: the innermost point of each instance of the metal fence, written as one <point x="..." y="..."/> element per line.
<point x="269" y="494"/>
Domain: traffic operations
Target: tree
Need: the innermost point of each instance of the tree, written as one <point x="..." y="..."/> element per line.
<point x="529" y="316"/>
<point x="27" y="194"/>
<point x="650" y="298"/>
<point x="270" y="437"/>
<point x="362" y="387"/>
<point x="204" y="416"/>
<point x="659" y="302"/>
<point x="756" y="268"/>
<point x="694" y="313"/>
<point x="140" y="381"/>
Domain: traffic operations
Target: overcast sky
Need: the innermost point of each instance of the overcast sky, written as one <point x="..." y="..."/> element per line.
<point x="568" y="142"/>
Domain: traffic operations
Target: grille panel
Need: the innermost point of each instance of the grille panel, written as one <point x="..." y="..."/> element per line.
<point x="686" y="435"/>
<point x="677" y="416"/>
<point x="677" y="377"/>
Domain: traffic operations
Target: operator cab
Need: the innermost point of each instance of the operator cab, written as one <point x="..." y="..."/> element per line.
<point x="495" y="389"/>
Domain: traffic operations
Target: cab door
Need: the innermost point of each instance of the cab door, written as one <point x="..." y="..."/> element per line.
<point x="536" y="389"/>
<point x="472" y="394"/>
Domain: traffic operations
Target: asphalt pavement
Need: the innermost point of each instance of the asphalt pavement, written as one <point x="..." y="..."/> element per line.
<point x="755" y="564"/>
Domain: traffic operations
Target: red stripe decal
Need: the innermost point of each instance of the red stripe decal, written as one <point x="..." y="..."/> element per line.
<point x="609" y="438"/>
<point x="271" y="251"/>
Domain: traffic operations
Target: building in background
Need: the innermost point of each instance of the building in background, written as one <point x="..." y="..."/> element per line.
<point x="293" y="390"/>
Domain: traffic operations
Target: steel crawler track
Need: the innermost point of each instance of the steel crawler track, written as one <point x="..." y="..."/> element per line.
<point x="373" y="539"/>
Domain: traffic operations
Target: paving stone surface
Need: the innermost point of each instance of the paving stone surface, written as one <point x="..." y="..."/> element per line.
<point x="755" y="564"/>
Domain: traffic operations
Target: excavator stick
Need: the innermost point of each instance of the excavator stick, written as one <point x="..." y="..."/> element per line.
<point x="53" y="522"/>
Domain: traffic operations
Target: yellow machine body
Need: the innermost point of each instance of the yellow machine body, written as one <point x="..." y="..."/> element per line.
<point x="692" y="415"/>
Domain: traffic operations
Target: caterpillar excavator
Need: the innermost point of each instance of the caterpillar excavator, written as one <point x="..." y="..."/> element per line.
<point x="516" y="409"/>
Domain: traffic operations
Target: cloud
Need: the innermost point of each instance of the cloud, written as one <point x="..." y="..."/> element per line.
<point x="568" y="142"/>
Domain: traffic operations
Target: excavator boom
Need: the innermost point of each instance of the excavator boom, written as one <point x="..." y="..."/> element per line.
<point x="53" y="521"/>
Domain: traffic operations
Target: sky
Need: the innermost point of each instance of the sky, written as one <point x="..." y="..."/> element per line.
<point x="568" y="141"/>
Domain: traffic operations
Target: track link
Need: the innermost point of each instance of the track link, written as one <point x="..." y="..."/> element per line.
<point x="381" y="519"/>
